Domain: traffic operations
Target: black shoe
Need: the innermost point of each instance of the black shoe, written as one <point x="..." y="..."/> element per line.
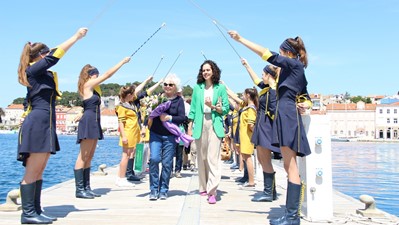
<point x="153" y="195"/>
<point x="86" y="182"/>
<point x="163" y="196"/>
<point x="133" y="178"/>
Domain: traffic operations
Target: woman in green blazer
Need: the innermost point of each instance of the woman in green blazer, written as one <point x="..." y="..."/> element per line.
<point x="209" y="104"/>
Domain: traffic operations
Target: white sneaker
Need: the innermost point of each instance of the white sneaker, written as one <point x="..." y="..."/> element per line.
<point x="123" y="182"/>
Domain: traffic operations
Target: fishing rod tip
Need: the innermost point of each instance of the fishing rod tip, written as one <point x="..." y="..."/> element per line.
<point x="214" y="21"/>
<point x="163" y="24"/>
<point x="181" y="52"/>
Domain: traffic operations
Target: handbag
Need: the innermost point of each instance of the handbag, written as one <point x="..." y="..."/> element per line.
<point x="139" y="156"/>
<point x="225" y="150"/>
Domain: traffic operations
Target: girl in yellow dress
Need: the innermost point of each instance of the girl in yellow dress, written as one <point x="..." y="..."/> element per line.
<point x="246" y="124"/>
<point x="129" y="131"/>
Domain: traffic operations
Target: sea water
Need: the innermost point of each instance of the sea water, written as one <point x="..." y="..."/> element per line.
<point x="358" y="168"/>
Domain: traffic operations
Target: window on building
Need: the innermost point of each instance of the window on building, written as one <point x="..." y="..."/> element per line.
<point x="367" y="133"/>
<point x="341" y="132"/>
<point x="388" y="111"/>
<point x="380" y="111"/>
<point x="395" y="120"/>
<point x="395" y="111"/>
<point x="335" y="132"/>
<point x="349" y="133"/>
<point x="388" y="120"/>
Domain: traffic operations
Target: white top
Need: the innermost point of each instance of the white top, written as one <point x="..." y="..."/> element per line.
<point x="208" y="93"/>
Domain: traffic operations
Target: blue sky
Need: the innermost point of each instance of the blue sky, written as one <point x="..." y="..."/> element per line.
<point x="352" y="45"/>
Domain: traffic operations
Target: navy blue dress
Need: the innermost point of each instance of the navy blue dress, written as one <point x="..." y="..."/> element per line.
<point x="288" y="129"/>
<point x="262" y="134"/>
<point x="38" y="131"/>
<point x="90" y="124"/>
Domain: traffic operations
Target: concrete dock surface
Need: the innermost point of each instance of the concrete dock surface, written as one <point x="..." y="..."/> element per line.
<point x="184" y="205"/>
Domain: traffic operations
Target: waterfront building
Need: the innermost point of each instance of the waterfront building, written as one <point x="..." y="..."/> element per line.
<point x="386" y="121"/>
<point x="109" y="120"/>
<point x="60" y="115"/>
<point x="13" y="115"/>
<point x="352" y="120"/>
<point x="71" y="126"/>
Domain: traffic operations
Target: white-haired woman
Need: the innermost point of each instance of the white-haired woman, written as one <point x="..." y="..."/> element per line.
<point x="162" y="142"/>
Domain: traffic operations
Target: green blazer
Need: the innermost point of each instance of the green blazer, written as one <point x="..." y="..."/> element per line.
<point x="197" y="109"/>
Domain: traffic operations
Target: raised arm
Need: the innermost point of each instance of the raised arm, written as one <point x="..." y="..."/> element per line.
<point x="97" y="81"/>
<point x="143" y="84"/>
<point x="153" y="87"/>
<point x="72" y="40"/>
<point x="250" y="71"/>
<point x="258" y="49"/>
<point x="231" y="94"/>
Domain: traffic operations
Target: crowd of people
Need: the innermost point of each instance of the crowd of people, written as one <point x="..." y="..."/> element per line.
<point x="266" y="121"/>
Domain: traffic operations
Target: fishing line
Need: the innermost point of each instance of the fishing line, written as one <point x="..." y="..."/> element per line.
<point x="227" y="40"/>
<point x="173" y="64"/>
<point x="163" y="24"/>
<point x="203" y="55"/>
<point x="209" y="16"/>
<point x="100" y="14"/>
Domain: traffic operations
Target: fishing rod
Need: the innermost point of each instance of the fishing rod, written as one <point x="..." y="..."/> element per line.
<point x="227" y="40"/>
<point x="159" y="63"/>
<point x="203" y="55"/>
<point x="100" y="14"/>
<point x="163" y="24"/>
<point x="207" y="14"/>
<point x="173" y="64"/>
<point x="217" y="24"/>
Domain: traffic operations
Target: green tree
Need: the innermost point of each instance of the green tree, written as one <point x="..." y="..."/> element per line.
<point x="18" y="100"/>
<point x="187" y="91"/>
<point x="70" y="99"/>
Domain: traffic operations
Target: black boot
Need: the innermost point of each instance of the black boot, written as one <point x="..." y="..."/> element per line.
<point x="269" y="193"/>
<point x="292" y="205"/>
<point x="245" y="178"/>
<point x="80" y="189"/>
<point x="129" y="168"/>
<point x="86" y="182"/>
<point x="38" y="206"/>
<point x="130" y="175"/>
<point x="29" y="214"/>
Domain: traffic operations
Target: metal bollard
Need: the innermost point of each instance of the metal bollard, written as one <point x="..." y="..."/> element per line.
<point x="11" y="202"/>
<point x="101" y="171"/>
<point x="370" y="209"/>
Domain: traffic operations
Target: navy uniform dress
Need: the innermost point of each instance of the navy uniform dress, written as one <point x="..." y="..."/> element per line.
<point x="90" y="124"/>
<point x="288" y="129"/>
<point x="262" y="134"/>
<point x="38" y="131"/>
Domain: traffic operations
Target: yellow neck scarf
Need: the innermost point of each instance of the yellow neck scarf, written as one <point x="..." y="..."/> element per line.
<point x="98" y="89"/>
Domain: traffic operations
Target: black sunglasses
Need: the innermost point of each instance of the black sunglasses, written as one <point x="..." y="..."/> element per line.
<point x="166" y="84"/>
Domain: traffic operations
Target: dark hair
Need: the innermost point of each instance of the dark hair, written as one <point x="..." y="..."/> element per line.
<point x="253" y="94"/>
<point x="124" y="91"/>
<point x="215" y="69"/>
<point x="299" y="46"/>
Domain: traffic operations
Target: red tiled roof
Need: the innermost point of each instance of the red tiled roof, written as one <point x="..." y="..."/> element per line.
<point x="108" y="112"/>
<point x="15" y="106"/>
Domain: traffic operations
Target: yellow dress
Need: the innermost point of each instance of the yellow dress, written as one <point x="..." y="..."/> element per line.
<point x="128" y="116"/>
<point x="248" y="117"/>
